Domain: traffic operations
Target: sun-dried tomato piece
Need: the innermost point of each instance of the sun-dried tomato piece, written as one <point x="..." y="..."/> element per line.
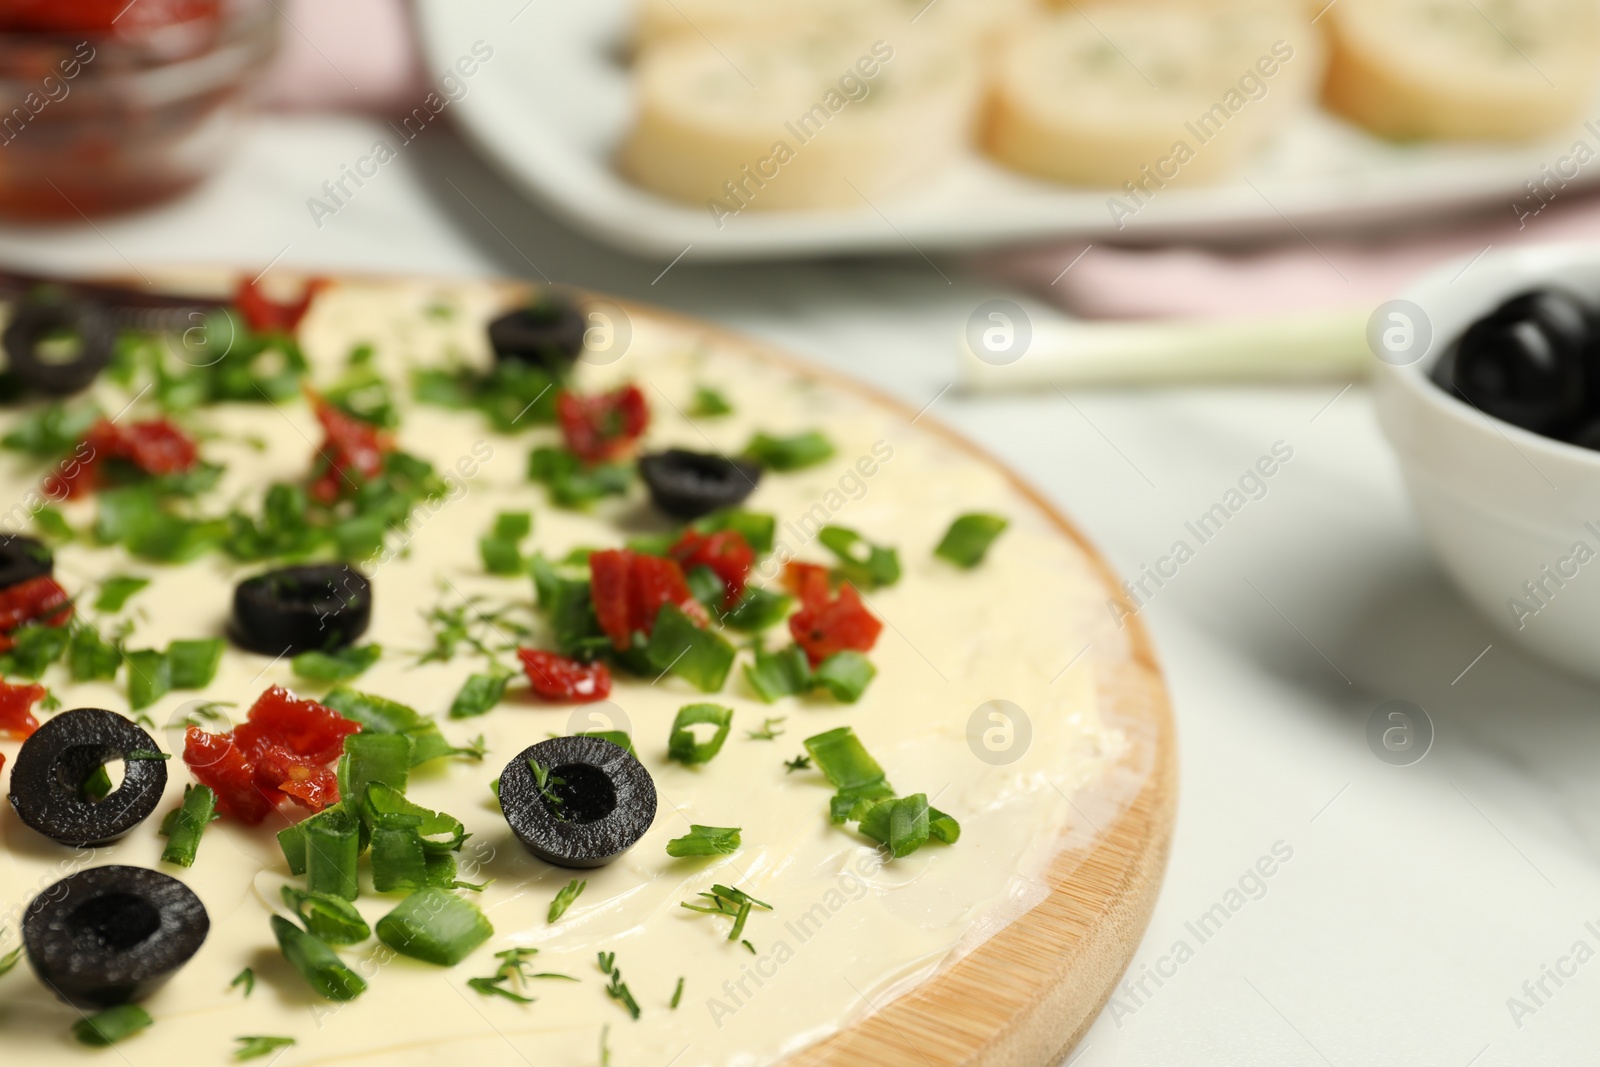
<point x="154" y="446"/>
<point x="610" y="579"/>
<point x="301" y="780"/>
<point x="35" y="600"/>
<point x="16" y="709"/>
<point x="807" y="581"/>
<point x="603" y="426"/>
<point x="726" y="552"/>
<point x="628" y="589"/>
<point x="658" y="581"/>
<point x="301" y="728"/>
<point x="216" y="761"/>
<point x="352" y="451"/>
<point x="829" y="626"/>
<point x="265" y="315"/>
<point x="558" y="678"/>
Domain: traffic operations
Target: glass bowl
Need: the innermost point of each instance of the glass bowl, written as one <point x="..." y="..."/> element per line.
<point x="96" y="121"/>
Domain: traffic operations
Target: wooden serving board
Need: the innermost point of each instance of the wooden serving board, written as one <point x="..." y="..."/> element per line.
<point x="1026" y="996"/>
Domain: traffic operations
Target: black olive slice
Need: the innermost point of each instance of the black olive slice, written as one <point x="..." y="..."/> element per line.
<point x="112" y="935"/>
<point x="58" y="761"/>
<point x="302" y="609"/>
<point x="691" y="484"/>
<point x="597" y="801"/>
<point x="548" y="332"/>
<point x="57" y="345"/>
<point x="21" y="558"/>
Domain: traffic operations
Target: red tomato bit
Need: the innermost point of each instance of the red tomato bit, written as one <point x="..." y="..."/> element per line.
<point x="16" y="710"/>
<point x="265" y="315"/>
<point x="604" y="426"/>
<point x="284" y="748"/>
<point x="725" y="552"/>
<point x="807" y="581"/>
<point x="557" y="678"/>
<point x="38" y="600"/>
<point x="823" y="627"/>
<point x="155" y="447"/>
<point x="352" y="451"/>
<point x="628" y="590"/>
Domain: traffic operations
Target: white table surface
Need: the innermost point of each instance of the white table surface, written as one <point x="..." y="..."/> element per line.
<point x="1418" y="900"/>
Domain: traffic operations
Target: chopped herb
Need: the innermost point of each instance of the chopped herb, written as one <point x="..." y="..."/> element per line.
<point x="678" y="646"/>
<point x="321" y="967"/>
<point x="115" y="591"/>
<point x="799" y="763"/>
<point x="111" y="1025"/>
<point x="705" y="841"/>
<point x="861" y="562"/>
<point x="149" y="677"/>
<point x="253" y="1048"/>
<point x="52" y="430"/>
<point x="564" y="899"/>
<point x="546" y="784"/>
<point x="378" y="715"/>
<point x="749" y="946"/>
<point x="766" y="733"/>
<point x="681" y="744"/>
<point x="52" y="524"/>
<point x="617" y="989"/>
<point x="205" y="712"/>
<point x="605" y="1045"/>
<point x="194" y="663"/>
<point x="969" y="537"/>
<point x="330" y="918"/>
<point x="726" y="900"/>
<point x="35" y="647"/>
<point x="512" y="395"/>
<point x="619" y="738"/>
<point x="789" y="453"/>
<point x="514" y="963"/>
<point x="493" y="987"/>
<point x="708" y="404"/>
<point x="90" y="657"/>
<point x="245" y="978"/>
<point x="677" y="994"/>
<point x="9" y="961"/>
<point x="757" y="610"/>
<point x="435" y="926"/>
<point x="479" y="694"/>
<point x="573" y="483"/>
<point x="501" y="550"/>
<point x="336" y="666"/>
<point x="184" y="824"/>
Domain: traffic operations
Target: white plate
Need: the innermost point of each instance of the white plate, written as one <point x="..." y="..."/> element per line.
<point x="552" y="103"/>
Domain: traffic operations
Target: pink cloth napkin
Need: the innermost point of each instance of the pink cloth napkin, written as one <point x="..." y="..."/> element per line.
<point x="346" y="55"/>
<point x="1300" y="273"/>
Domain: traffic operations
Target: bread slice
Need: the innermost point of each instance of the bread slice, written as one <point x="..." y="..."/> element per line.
<point x="661" y="20"/>
<point x="1107" y="94"/>
<point x="797" y="121"/>
<point x="1487" y="69"/>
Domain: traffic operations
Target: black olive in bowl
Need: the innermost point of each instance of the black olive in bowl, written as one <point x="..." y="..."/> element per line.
<point x="595" y="802"/>
<point x="112" y="935"/>
<point x="1527" y="362"/>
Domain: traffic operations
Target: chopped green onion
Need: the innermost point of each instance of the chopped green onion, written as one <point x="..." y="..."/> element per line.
<point x="513" y="525"/>
<point x="708" y="404"/>
<point x="52" y="430"/>
<point x="705" y="585"/>
<point x="678" y="646"/>
<point x="149" y="677"/>
<point x="478" y="695"/>
<point x="36" y="646"/>
<point x="332" y="846"/>
<point x="184" y="824"/>
<point x="573" y="483"/>
<point x="398" y="861"/>
<point x="321" y="967"/>
<point x="253" y="1048"/>
<point x="337" y="666"/>
<point x="115" y="591"/>
<point x="292" y="839"/>
<point x="845" y="675"/>
<point x="246" y="978"/>
<point x="373" y="757"/>
<point x="775" y="675"/>
<point x="757" y="610"/>
<point x="705" y="841"/>
<point x="969" y="537"/>
<point x="436" y="927"/>
<point x="901" y="824"/>
<point x="441" y="833"/>
<point x="378" y="715"/>
<point x="329" y="918"/>
<point x="843" y="759"/>
<point x="52" y="524"/>
<point x="681" y="744"/>
<point x="90" y="657"/>
<point x="500" y="557"/>
<point x="943" y="826"/>
<point x="564" y="898"/>
<point x="111" y="1025"/>
<point x="861" y="562"/>
<point x="789" y="453"/>
<point x="194" y="663"/>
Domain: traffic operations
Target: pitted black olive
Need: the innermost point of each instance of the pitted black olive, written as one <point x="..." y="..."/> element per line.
<point x="21" y="558"/>
<point x="594" y="803"/>
<point x="547" y="332"/>
<point x="112" y="935"/>
<point x="1526" y="361"/>
<point x="57" y="762"/>
<point x="302" y="609"/>
<point x="57" y="344"/>
<point x="688" y="484"/>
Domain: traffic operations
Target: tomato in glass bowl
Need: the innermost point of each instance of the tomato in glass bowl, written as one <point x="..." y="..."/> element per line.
<point x="107" y="105"/>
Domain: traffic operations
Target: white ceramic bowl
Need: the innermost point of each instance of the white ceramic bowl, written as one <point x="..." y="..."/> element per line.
<point x="1513" y="516"/>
